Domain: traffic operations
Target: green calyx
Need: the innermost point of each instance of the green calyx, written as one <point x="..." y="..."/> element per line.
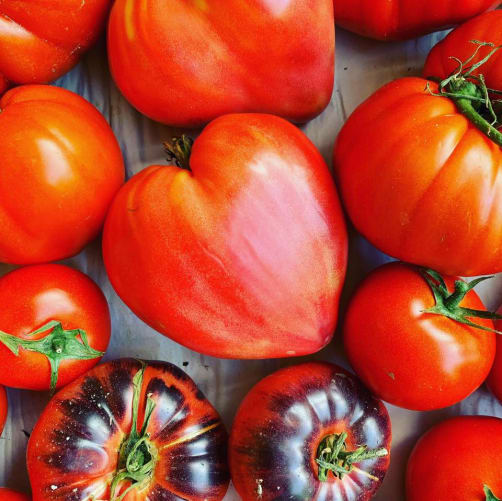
<point x="137" y="455"/>
<point x="448" y="303"/>
<point x="332" y="455"/>
<point x="472" y="96"/>
<point x="59" y="344"/>
<point x="489" y="494"/>
<point x="179" y="150"/>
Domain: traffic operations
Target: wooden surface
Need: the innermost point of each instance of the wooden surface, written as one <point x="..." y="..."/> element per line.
<point x="362" y="66"/>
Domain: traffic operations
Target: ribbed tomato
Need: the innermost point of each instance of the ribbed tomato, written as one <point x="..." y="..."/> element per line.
<point x="10" y="495"/>
<point x="3" y="408"/>
<point x="129" y="430"/>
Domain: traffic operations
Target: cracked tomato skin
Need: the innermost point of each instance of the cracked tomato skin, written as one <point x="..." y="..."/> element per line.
<point x="61" y="167"/>
<point x="244" y="256"/>
<point x="3" y="409"/>
<point x="10" y="495"/>
<point x="186" y="63"/>
<point x="455" y="459"/>
<point x="41" y="40"/>
<point x="403" y="19"/>
<point x="73" y="450"/>
<point x="282" y="421"/>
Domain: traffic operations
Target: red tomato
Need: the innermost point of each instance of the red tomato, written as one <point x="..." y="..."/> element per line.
<point x="421" y="181"/>
<point x="10" y="495"/>
<point x="127" y="424"/>
<point x="402" y="19"/>
<point x="42" y="40"/>
<point x="61" y="167"/>
<point x="455" y="460"/>
<point x="3" y="412"/>
<point x="290" y="420"/>
<point x="494" y="380"/>
<point x="186" y="63"/>
<point x="407" y="356"/>
<point x="243" y="255"/>
<point x="67" y="311"/>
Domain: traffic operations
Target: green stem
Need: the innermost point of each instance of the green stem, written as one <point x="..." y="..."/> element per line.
<point x="179" y="150"/>
<point x="489" y="494"/>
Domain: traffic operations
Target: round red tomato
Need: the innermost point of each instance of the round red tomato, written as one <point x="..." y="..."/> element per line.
<point x="457" y="460"/>
<point x="40" y="41"/>
<point x="494" y="380"/>
<point x="186" y="63"/>
<point x="54" y="326"/>
<point x="3" y="408"/>
<point x="243" y="255"/>
<point x="129" y="430"/>
<point x="61" y="167"/>
<point x="402" y="19"/>
<point x="403" y="342"/>
<point x="311" y="431"/>
<point x="10" y="495"/>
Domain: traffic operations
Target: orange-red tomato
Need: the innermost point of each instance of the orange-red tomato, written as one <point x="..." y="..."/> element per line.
<point x="421" y="182"/>
<point x="494" y="380"/>
<point x="402" y="19"/>
<point x="408" y="357"/>
<point x="186" y="63"/>
<point x="42" y="40"/>
<point x="61" y="167"/>
<point x="455" y="460"/>
<point x="33" y="296"/>
<point x="3" y="408"/>
<point x="10" y="495"/>
<point x="244" y="256"/>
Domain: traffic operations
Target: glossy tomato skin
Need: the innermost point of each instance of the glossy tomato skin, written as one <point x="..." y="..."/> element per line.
<point x="245" y="256"/>
<point x="35" y="295"/>
<point x="3" y="408"/>
<point x="403" y="19"/>
<point x="282" y="421"/>
<point x="95" y="412"/>
<point x="420" y="182"/>
<point x="408" y="358"/>
<point x="40" y="41"/>
<point x="494" y="380"/>
<point x="61" y="168"/>
<point x="186" y="63"/>
<point x="455" y="459"/>
<point x="10" y="495"/>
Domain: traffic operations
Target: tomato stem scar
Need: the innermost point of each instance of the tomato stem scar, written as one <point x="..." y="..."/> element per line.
<point x="179" y="150"/>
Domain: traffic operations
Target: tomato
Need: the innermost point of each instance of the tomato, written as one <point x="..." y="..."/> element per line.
<point x="129" y="430"/>
<point x="54" y="326"/>
<point x="294" y="418"/>
<point x="402" y="19"/>
<point x="40" y="41"/>
<point x="61" y="167"/>
<point x="410" y="355"/>
<point x="241" y="256"/>
<point x="494" y="380"/>
<point x="10" y="495"/>
<point x="456" y="459"/>
<point x="186" y="63"/>
<point x="3" y="410"/>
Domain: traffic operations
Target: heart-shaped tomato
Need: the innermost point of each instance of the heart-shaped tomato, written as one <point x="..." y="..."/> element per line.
<point x="243" y="256"/>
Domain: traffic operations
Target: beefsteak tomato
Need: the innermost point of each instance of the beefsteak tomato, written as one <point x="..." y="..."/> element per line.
<point x="457" y="460"/>
<point x="242" y="254"/>
<point x="494" y="380"/>
<point x="54" y="326"/>
<point x="413" y="337"/>
<point x="186" y="63"/>
<point x="10" y="495"/>
<point x="311" y="431"/>
<point x="129" y="430"/>
<point x="3" y="408"/>
<point x="61" y="167"/>
<point x="402" y="19"/>
<point x="40" y="41"/>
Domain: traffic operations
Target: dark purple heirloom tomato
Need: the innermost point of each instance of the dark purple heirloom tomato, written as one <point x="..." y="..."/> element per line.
<point x="310" y="432"/>
<point x="129" y="430"/>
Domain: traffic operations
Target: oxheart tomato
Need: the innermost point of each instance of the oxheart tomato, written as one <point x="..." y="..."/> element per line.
<point x="413" y="338"/>
<point x="241" y="256"/>
<point x="186" y="63"/>
<point x="61" y="167"/>
<point x="129" y="430"/>
<point x="54" y="326"/>
<point x="402" y="19"/>
<point x="457" y="460"/>
<point x="494" y="380"/>
<point x="310" y="431"/>
<point x="10" y="495"/>
<point x="42" y="40"/>
<point x="3" y="408"/>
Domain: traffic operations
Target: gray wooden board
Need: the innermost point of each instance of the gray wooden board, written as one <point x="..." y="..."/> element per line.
<point x="362" y="66"/>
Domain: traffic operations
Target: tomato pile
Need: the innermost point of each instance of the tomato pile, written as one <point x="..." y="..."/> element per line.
<point x="237" y="248"/>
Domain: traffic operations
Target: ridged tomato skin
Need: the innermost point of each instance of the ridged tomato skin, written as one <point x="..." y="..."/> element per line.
<point x="420" y="182"/>
<point x="244" y="256"/>
<point x="283" y="419"/>
<point x="74" y="448"/>
<point x="40" y="41"/>
<point x="10" y="495"/>
<point x="3" y="408"/>
<point x="494" y="380"/>
<point x="186" y="63"/>
<point x="61" y="167"/>
<point x="455" y="459"/>
<point x="404" y="19"/>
